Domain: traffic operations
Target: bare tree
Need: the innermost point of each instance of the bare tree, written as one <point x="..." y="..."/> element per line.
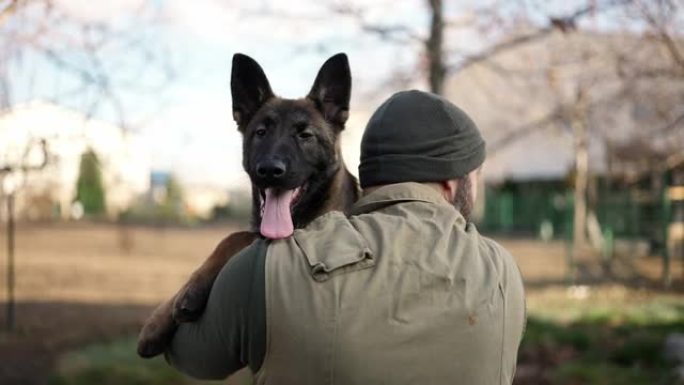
<point x="443" y="61"/>
<point x="91" y="62"/>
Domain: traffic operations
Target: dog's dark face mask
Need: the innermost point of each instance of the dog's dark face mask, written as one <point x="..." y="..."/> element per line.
<point x="290" y="146"/>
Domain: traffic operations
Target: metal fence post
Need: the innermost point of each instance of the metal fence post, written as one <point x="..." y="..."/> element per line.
<point x="665" y="223"/>
<point x="10" y="262"/>
<point x="569" y="250"/>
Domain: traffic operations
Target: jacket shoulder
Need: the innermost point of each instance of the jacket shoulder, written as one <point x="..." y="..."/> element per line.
<point x="505" y="263"/>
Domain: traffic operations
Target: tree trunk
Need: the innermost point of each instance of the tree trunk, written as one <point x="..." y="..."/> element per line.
<point x="434" y="49"/>
<point x="579" y="125"/>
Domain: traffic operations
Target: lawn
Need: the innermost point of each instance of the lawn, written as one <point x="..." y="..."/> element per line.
<point x="605" y="335"/>
<point x="580" y="335"/>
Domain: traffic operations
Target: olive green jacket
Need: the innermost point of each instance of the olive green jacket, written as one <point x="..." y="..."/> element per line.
<point x="401" y="292"/>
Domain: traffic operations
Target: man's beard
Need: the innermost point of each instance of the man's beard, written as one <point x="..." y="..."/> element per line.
<point x="463" y="200"/>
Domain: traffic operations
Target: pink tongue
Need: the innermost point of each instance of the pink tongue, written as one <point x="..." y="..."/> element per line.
<point x="276" y="222"/>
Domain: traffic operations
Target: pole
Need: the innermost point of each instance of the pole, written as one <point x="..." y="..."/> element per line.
<point x="665" y="208"/>
<point x="10" y="262"/>
<point x="569" y="227"/>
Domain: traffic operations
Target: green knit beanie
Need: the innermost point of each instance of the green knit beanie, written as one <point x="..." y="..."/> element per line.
<point x="417" y="136"/>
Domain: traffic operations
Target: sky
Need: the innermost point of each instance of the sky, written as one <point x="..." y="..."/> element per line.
<point x="185" y="126"/>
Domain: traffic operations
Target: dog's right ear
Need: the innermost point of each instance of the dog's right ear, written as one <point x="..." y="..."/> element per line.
<point x="249" y="87"/>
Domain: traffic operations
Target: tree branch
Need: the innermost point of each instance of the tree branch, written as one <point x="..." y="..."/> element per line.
<point x="6" y="169"/>
<point x="670" y="126"/>
<point x="565" y="24"/>
<point x="525" y="130"/>
<point x="77" y="48"/>
<point x="8" y="10"/>
<point x="559" y="113"/>
<point x="398" y="33"/>
<point x="664" y="37"/>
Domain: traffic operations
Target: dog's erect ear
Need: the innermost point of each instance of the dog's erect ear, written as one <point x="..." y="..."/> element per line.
<point x="249" y="87"/>
<point x="332" y="89"/>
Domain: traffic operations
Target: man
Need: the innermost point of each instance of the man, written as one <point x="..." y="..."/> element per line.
<point x="404" y="291"/>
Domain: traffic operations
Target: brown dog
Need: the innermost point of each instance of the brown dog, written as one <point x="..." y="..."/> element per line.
<point x="291" y="151"/>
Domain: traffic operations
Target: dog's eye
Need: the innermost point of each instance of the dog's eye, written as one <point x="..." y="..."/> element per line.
<point x="260" y="132"/>
<point x="305" y="135"/>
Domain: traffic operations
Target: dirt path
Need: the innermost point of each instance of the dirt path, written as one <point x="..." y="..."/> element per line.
<point x="76" y="285"/>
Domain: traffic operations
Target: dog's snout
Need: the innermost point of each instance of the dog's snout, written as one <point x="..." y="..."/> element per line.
<point x="271" y="169"/>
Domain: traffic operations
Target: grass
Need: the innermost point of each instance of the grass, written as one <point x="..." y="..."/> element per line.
<point x="115" y="363"/>
<point x="602" y="339"/>
<point x="97" y="282"/>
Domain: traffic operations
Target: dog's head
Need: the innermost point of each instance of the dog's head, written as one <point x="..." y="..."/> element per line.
<point x="290" y="146"/>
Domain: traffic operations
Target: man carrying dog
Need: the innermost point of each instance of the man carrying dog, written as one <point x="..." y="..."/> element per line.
<point x="403" y="291"/>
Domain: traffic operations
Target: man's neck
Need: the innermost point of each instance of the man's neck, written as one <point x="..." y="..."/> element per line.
<point x="437" y="186"/>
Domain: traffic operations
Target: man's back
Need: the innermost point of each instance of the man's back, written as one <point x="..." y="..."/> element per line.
<point x="401" y="292"/>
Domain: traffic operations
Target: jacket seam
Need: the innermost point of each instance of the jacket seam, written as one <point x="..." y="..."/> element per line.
<point x="269" y="298"/>
<point x="503" y="333"/>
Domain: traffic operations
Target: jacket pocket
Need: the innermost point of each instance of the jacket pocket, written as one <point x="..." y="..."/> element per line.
<point x="333" y="246"/>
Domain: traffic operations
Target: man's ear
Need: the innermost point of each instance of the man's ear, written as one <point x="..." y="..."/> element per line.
<point x="449" y="188"/>
<point x="332" y="89"/>
<point x="249" y="87"/>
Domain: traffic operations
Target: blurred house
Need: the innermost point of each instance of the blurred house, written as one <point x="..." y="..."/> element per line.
<point x="159" y="186"/>
<point x="525" y="101"/>
<point x="50" y="191"/>
<point x="520" y="99"/>
<point x="170" y="200"/>
<point x="201" y="200"/>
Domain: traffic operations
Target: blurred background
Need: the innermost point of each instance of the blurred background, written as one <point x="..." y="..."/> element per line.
<point x="120" y="165"/>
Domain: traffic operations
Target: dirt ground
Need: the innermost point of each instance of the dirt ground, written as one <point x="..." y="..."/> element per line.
<point x="81" y="283"/>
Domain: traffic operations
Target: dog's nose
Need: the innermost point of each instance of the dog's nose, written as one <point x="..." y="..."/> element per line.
<point x="271" y="169"/>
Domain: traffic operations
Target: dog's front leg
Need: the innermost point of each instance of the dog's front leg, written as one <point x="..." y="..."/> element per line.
<point x="188" y="304"/>
<point x="157" y="331"/>
<point x="192" y="298"/>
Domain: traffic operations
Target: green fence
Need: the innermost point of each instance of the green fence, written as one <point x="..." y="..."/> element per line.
<point x="636" y="213"/>
<point x="524" y="207"/>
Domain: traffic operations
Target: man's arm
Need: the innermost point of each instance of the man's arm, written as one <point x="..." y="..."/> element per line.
<point x="232" y="331"/>
<point x="515" y="312"/>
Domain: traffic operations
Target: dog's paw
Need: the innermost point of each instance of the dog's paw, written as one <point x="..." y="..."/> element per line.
<point x="191" y="301"/>
<point x="155" y="337"/>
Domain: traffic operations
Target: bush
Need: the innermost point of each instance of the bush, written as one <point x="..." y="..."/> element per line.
<point x="90" y="191"/>
<point x="169" y="210"/>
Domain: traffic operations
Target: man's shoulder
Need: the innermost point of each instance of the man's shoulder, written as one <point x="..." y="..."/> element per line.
<point x="493" y="247"/>
<point x="502" y="258"/>
<point x="243" y="266"/>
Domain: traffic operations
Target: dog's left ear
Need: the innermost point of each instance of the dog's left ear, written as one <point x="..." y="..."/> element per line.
<point x="332" y="89"/>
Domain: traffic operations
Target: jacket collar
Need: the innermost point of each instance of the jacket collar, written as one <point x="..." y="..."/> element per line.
<point x="395" y="193"/>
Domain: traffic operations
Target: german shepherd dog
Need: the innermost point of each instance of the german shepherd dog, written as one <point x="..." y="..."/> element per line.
<point x="291" y="151"/>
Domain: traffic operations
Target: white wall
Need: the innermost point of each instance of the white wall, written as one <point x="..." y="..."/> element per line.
<point x="68" y="133"/>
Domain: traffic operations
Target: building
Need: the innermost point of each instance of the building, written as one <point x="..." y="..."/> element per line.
<point x="525" y="101"/>
<point x="521" y="99"/>
<point x="612" y="101"/>
<point x="202" y="199"/>
<point x="49" y="192"/>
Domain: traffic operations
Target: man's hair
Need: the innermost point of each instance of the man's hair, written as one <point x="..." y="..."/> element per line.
<point x="463" y="199"/>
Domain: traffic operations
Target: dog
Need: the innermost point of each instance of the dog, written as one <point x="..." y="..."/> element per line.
<point x="292" y="154"/>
